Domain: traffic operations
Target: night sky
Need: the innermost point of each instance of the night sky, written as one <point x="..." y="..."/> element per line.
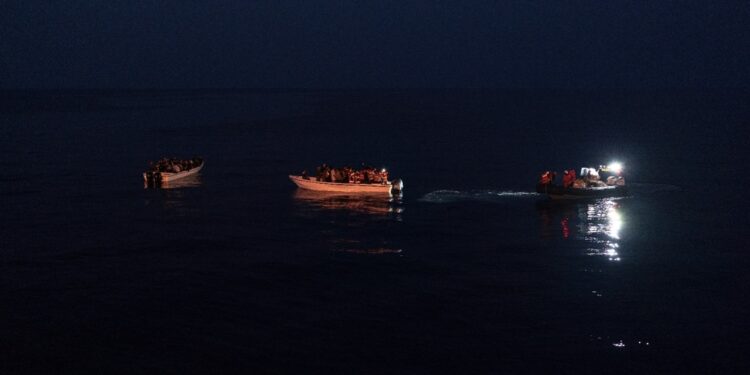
<point x="374" y="44"/>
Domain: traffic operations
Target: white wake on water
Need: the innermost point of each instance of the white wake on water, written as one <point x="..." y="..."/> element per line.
<point x="447" y="196"/>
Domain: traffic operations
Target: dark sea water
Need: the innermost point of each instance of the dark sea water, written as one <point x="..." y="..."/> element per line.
<point x="468" y="272"/>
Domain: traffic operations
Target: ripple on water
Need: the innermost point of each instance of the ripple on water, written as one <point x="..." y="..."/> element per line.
<point x="449" y="196"/>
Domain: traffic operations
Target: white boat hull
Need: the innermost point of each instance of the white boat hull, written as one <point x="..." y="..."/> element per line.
<point x="167" y="176"/>
<point x="339" y="187"/>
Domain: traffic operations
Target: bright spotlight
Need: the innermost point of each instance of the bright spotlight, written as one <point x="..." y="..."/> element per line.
<point x="615" y="167"/>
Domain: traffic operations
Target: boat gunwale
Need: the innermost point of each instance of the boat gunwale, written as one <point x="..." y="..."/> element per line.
<point x="312" y="179"/>
<point x="593" y="192"/>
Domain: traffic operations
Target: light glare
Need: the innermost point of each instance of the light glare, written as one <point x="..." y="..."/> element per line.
<point x="615" y="167"/>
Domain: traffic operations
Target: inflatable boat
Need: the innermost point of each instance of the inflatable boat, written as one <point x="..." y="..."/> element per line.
<point x="604" y="182"/>
<point x="559" y="192"/>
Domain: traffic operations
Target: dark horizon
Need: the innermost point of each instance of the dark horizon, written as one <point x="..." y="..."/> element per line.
<point x="341" y="45"/>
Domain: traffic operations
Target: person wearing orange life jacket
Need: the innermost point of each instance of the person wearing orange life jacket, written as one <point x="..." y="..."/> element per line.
<point x="546" y="178"/>
<point x="572" y="177"/>
<point x="569" y="178"/>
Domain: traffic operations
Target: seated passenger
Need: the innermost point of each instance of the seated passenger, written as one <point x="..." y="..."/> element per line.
<point x="320" y="172"/>
<point x="357" y="177"/>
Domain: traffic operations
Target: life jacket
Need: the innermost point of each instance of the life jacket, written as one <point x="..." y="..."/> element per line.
<point x="569" y="178"/>
<point x="546" y="178"/>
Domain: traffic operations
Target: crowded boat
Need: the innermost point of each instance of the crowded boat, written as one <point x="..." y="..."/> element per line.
<point x="347" y="179"/>
<point x="365" y="175"/>
<point x="605" y="181"/>
<point x="170" y="169"/>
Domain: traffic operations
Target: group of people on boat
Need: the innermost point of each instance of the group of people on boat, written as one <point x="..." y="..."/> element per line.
<point x="174" y="165"/>
<point x="365" y="175"/>
<point x="590" y="177"/>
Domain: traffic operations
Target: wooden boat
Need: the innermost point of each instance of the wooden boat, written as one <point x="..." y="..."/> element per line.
<point x="191" y="181"/>
<point x="559" y="192"/>
<point x="164" y="177"/>
<point x="344" y="187"/>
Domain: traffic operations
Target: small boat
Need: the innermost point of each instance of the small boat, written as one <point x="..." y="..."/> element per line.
<point x="311" y="183"/>
<point x="559" y="192"/>
<point x="589" y="186"/>
<point x="164" y="177"/>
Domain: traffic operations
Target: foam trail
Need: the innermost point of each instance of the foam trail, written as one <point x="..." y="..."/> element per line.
<point x="447" y="196"/>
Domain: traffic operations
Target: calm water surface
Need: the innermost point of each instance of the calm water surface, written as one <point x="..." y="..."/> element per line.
<point x="467" y="272"/>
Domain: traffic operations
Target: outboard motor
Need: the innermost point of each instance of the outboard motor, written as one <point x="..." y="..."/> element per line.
<point x="397" y="185"/>
<point x="153" y="178"/>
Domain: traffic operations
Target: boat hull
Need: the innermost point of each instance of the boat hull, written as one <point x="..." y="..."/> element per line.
<point x="167" y="176"/>
<point x="339" y="187"/>
<point x="559" y="192"/>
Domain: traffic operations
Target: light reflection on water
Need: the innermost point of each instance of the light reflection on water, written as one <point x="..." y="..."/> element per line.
<point x="369" y="204"/>
<point x="597" y="223"/>
<point x="601" y="225"/>
<point x="594" y="232"/>
<point x="355" y="224"/>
